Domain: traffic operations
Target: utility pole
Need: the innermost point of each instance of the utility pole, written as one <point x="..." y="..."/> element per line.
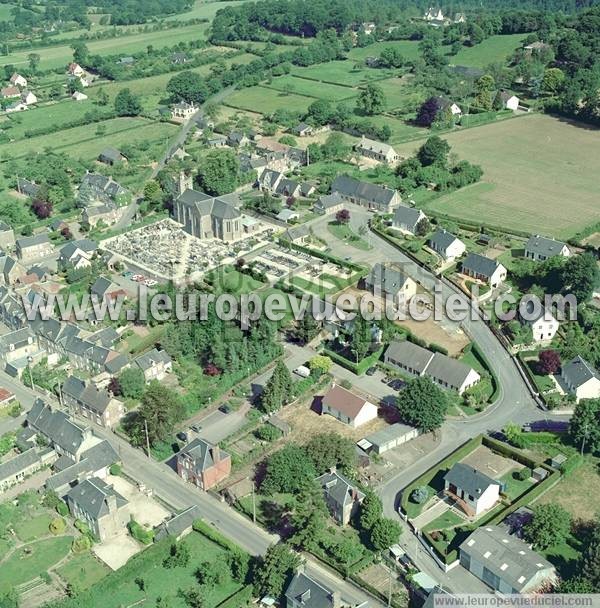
<point x="147" y="438"/>
<point x="585" y="434"/>
<point x="390" y="587"/>
<point x="253" y="503"/>
<point x="29" y="361"/>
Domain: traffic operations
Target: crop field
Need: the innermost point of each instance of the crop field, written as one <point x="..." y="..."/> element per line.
<point x="58" y="56"/>
<point x="343" y="72"/>
<point x="491" y="50"/>
<point x="321" y="90"/>
<point x="408" y="48"/>
<point x="85" y="143"/>
<point x="265" y="101"/>
<point x="540" y="175"/>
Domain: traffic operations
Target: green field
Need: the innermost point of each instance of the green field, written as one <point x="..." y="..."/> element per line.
<point x="83" y="571"/>
<point x="58" y="56"/>
<point x="491" y="50"/>
<point x="301" y="86"/>
<point x="22" y="566"/>
<point x="119" y="588"/>
<point x="33" y="527"/>
<point x="540" y="175"/>
<point x="265" y="101"/>
<point x="408" y="48"/>
<point x="344" y="72"/>
<point x="5" y="12"/>
<point x="400" y="93"/>
<point x="82" y="142"/>
<point x="204" y="10"/>
<point x="401" y="130"/>
<point x="234" y="282"/>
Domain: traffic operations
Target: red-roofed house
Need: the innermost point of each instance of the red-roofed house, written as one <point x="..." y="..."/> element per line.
<point x="348" y="407"/>
<point x="6" y="397"/>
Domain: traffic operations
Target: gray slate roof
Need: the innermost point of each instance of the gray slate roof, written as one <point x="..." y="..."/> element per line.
<point x="448" y="370"/>
<point x="469" y="479"/>
<point x="409" y="354"/>
<point x="348" y="186"/>
<point x="479" y="264"/>
<point x="87" y="394"/>
<point x="70" y="248"/>
<point x="19" y="463"/>
<point x="201" y="453"/>
<point x="179" y="523"/>
<point x="387" y="278"/>
<point x="507" y="556"/>
<point x="578" y="371"/>
<point x="308" y="593"/>
<point x="540" y="245"/>
<point x="111" y="154"/>
<point x="339" y="489"/>
<point x="441" y="240"/>
<point x="30" y="241"/>
<point x="208" y="205"/>
<point x="147" y="360"/>
<point x="91" y="497"/>
<point x="407" y="216"/>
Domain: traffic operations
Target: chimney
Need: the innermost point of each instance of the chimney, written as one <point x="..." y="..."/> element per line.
<point x="111" y="503"/>
<point x="216" y="453"/>
<point x="333" y="470"/>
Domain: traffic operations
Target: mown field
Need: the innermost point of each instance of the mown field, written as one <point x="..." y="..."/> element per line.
<point x="540" y="175"/>
<point x="344" y="72"/>
<point x="400" y="93"/>
<point x="491" y="50"/>
<point x="85" y="142"/>
<point x="58" y="56"/>
<point x="408" y="48"/>
<point x="322" y="90"/>
<point x="265" y="101"/>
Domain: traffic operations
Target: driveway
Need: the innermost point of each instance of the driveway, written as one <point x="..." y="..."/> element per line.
<point x="438" y="508"/>
<point x="115" y="552"/>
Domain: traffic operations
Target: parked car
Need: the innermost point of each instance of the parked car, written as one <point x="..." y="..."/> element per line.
<point x="371" y="371"/>
<point x="302" y="371"/>
<point x="225" y="408"/>
<point x="396" y="384"/>
<point x="182" y="436"/>
<point x="196" y="428"/>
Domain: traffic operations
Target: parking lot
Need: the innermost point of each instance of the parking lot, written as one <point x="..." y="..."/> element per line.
<point x="163" y="250"/>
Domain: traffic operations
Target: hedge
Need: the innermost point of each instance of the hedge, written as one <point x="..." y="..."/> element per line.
<point x="356" y="368"/>
<point x="483" y="360"/>
<point x="240" y="598"/>
<point x="511" y="452"/>
<point x="211" y="533"/>
<point x="140" y="533"/>
<point x="322" y="255"/>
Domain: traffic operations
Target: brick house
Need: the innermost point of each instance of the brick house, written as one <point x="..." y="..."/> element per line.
<point x="203" y="464"/>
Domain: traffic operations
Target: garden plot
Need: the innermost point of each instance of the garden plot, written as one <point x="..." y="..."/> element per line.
<point x="165" y="250"/>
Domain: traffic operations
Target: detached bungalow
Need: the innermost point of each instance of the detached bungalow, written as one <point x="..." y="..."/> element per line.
<point x="581" y="379"/>
<point x="540" y="248"/>
<point x="447" y="245"/>
<point x="484" y="269"/>
<point x="348" y="407"/>
<point x="474" y="491"/>
<point x="406" y="219"/>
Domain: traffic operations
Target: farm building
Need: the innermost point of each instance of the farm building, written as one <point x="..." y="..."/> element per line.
<point x="372" y="196"/>
<point x="376" y="150"/>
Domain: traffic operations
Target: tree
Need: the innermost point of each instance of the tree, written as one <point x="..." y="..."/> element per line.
<point x="580" y="276"/>
<point x="306" y="328"/>
<point x="549" y="526"/>
<point x="161" y="409"/>
<point x="127" y="104"/>
<point x="553" y="80"/>
<point x="132" y="382"/>
<point x="361" y="339"/>
<point x="371" y="100"/>
<point x="428" y="112"/>
<point x="391" y="57"/>
<point x="422" y="404"/>
<point x="584" y="427"/>
<point x="194" y="598"/>
<point x="548" y="362"/>
<point x="34" y="61"/>
<point x="80" y="52"/>
<point x="335" y="147"/>
<point x="287" y="470"/>
<point x="102" y="97"/>
<point x="347" y="551"/>
<point x="278" y="389"/>
<point x="329" y="450"/>
<point x="219" y="172"/>
<point x="423" y="227"/>
<point x="385" y="533"/>
<point x="141" y="583"/>
<point x="309" y="516"/>
<point x="419" y="495"/>
<point x="342" y="216"/>
<point x="434" y="152"/>
<point x="275" y="570"/>
<point x="371" y="510"/>
<point x="319" y="365"/>
<point x="189" y="87"/>
<point x="589" y="566"/>
<point x="320" y="112"/>
<point x="153" y="194"/>
<point x="210" y="574"/>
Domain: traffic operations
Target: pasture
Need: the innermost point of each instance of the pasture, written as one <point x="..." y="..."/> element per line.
<point x="344" y="72"/>
<point x="400" y="92"/>
<point x="408" y="48"/>
<point x="301" y="86"/>
<point x="492" y="50"/>
<point x="59" y="56"/>
<point x="266" y="101"/>
<point x="540" y="175"/>
<point x="204" y="10"/>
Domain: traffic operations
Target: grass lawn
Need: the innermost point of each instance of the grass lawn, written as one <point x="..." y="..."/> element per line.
<point x="565" y="557"/>
<point x="266" y="101"/>
<point x="301" y="86"/>
<point x="399" y="92"/>
<point x="525" y="184"/>
<point x="234" y="282"/>
<point x="578" y="492"/>
<point x="136" y="344"/>
<point x="345" y="233"/>
<point x="83" y="570"/>
<point x="408" y="48"/>
<point x="401" y="131"/>
<point x="21" y="567"/>
<point x="59" y="56"/>
<point x="82" y="142"/>
<point x="119" y="588"/>
<point x="515" y="487"/>
<point x="32" y="528"/>
<point x="492" y="50"/>
<point x="449" y="519"/>
<point x="343" y="72"/>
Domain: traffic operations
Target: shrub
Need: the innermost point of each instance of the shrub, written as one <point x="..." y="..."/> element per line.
<point x="116" y="469"/>
<point x="57" y="525"/>
<point x="140" y="533"/>
<point x="15" y="410"/>
<point x="345" y="383"/>
<point x="523" y="474"/>
<point x="419" y="495"/>
<point x="81" y="544"/>
<point x="62" y="509"/>
<point x="267" y="432"/>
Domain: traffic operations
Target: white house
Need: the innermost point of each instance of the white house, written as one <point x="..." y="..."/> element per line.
<point x="75" y="69"/>
<point x="447" y="245"/>
<point x="474" y="491"/>
<point x="544" y="326"/>
<point x="18" y="81"/>
<point x="580" y="379"/>
<point x="509" y="101"/>
<point x="484" y="269"/>
<point x="406" y="219"/>
<point x="348" y="407"/>
<point x="28" y="98"/>
<point x="79" y="96"/>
